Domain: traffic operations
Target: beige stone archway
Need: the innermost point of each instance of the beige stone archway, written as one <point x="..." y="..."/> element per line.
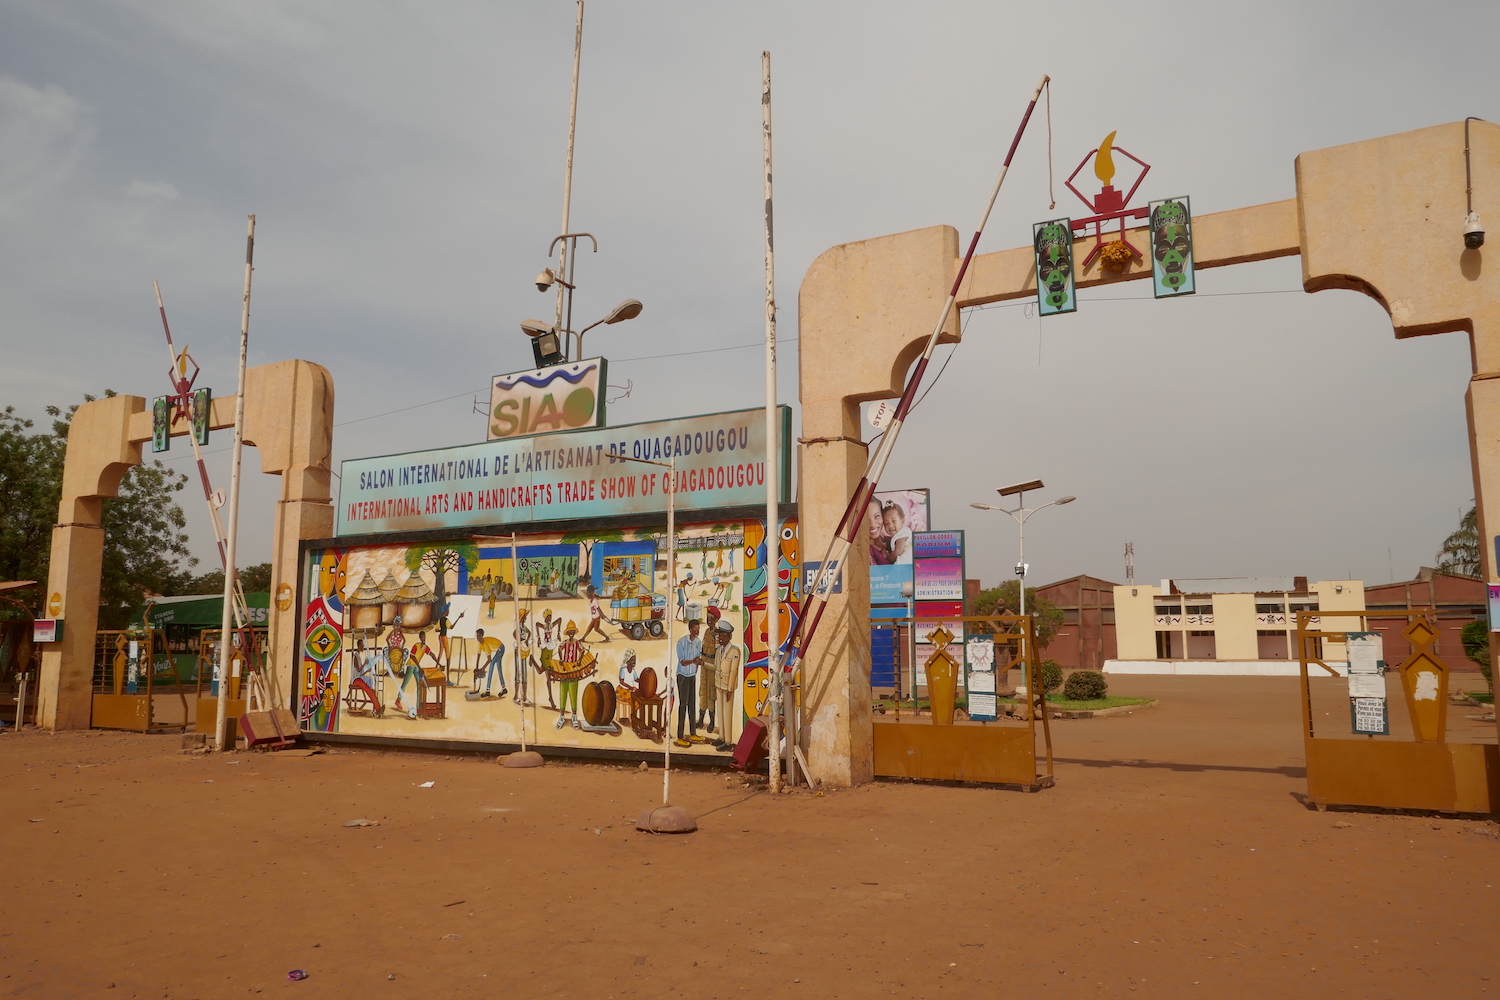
<point x="288" y="418"/>
<point x="1383" y="216"/>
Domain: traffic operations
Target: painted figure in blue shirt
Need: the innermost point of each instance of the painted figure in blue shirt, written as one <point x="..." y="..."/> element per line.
<point x="689" y="657"/>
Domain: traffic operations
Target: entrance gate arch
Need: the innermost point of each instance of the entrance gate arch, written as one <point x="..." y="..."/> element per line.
<point x="1383" y="216"/>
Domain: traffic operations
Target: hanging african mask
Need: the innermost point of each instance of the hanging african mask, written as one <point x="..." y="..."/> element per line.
<point x="1171" y="248"/>
<point x="1054" y="266"/>
<point x="201" y="407"/>
<point x="161" y="424"/>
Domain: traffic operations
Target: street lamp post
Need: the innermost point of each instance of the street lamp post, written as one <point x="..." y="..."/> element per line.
<point x="1020" y="515"/>
<point x="547" y="347"/>
<point x="629" y="309"/>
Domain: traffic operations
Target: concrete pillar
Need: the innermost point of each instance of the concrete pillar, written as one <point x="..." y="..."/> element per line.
<point x="861" y="307"/>
<point x="99" y="454"/>
<point x="289" y="408"/>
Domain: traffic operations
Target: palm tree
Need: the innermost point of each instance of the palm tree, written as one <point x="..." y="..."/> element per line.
<point x="1460" y="552"/>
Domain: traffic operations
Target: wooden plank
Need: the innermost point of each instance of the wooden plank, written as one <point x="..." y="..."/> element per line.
<point x="118" y="711"/>
<point x="1445" y="777"/>
<point x="997" y="754"/>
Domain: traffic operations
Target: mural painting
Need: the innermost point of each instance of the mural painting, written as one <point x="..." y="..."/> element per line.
<point x="564" y="633"/>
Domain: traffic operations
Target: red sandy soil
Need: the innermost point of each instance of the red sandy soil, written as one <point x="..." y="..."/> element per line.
<point x="1175" y="857"/>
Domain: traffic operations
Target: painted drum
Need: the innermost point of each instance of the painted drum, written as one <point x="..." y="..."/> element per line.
<point x="647" y="684"/>
<point x="599" y="703"/>
<point x="592" y="702"/>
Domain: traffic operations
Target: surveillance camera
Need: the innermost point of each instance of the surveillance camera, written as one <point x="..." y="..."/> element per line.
<point x="1473" y="231"/>
<point x="545" y="279"/>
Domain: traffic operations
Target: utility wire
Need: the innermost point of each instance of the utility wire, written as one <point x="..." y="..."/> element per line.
<point x="786" y="340"/>
<point x="1138" y="298"/>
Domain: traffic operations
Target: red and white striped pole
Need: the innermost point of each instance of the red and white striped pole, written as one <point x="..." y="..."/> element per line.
<point x="843" y="539"/>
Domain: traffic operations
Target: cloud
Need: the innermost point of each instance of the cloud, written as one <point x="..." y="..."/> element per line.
<point x="43" y="132"/>
<point x="156" y="191"/>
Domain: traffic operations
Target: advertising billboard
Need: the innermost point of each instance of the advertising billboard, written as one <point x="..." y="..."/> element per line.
<point x="892" y="522"/>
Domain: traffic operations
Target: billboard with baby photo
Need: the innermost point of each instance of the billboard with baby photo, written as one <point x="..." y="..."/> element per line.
<point x="891" y="520"/>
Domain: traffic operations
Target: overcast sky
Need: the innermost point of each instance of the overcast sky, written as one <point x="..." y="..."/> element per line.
<point x="405" y="164"/>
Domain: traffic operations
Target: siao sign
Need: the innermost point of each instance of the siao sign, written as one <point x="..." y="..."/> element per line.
<point x="557" y="398"/>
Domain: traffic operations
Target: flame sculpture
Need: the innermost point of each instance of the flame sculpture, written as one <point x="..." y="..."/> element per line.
<point x="1104" y="163"/>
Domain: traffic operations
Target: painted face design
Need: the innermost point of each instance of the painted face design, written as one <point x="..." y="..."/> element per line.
<point x="1054" y="254"/>
<point x="757" y="690"/>
<point x="1171" y="243"/>
<point x="790" y="550"/>
<point x="331" y="576"/>
<point x="755" y="534"/>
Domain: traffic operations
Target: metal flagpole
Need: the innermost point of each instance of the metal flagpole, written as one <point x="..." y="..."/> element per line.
<point x="515" y="604"/>
<point x="773" y="524"/>
<point x="562" y="264"/>
<point x="666" y="770"/>
<point x="231" y="574"/>
<point x="838" y="547"/>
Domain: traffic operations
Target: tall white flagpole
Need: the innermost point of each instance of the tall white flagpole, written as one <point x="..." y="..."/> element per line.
<point x="773" y="523"/>
<point x="221" y="738"/>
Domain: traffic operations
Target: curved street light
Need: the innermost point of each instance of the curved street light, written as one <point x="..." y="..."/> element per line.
<point x="1020" y="515"/>
<point x="629" y="309"/>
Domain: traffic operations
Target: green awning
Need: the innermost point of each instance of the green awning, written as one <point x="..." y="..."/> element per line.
<point x="200" y="610"/>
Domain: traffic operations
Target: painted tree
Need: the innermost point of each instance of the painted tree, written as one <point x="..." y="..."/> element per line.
<point x="442" y="559"/>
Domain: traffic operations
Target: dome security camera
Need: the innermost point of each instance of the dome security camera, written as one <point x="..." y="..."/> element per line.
<point x="1473" y="231"/>
<point x="545" y="279"/>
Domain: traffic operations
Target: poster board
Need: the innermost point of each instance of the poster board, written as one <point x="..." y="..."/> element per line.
<point x="1369" y="714"/>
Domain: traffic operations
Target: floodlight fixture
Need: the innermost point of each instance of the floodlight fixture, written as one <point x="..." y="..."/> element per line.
<point x="546" y="348"/>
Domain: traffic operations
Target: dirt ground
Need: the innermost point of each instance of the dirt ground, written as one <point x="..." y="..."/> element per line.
<point x="1175" y="857"/>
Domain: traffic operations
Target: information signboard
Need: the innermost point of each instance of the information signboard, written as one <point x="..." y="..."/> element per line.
<point x="721" y="459"/>
<point x="1368" y="713"/>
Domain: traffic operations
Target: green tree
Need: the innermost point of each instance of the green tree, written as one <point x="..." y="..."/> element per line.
<point x="1006" y="600"/>
<point x="30" y="484"/>
<point x="1476" y="642"/>
<point x="255" y="579"/>
<point x="1460" y="552"/>
<point x="145" y="547"/>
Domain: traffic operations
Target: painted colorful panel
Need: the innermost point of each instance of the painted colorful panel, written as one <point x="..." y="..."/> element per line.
<point x="575" y="636"/>
<point x="1171" y="247"/>
<point x="1054" y="266"/>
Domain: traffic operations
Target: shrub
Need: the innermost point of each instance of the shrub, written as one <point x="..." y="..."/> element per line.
<point x="1476" y="643"/>
<point x="1085" y="685"/>
<point x="1052" y="676"/>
